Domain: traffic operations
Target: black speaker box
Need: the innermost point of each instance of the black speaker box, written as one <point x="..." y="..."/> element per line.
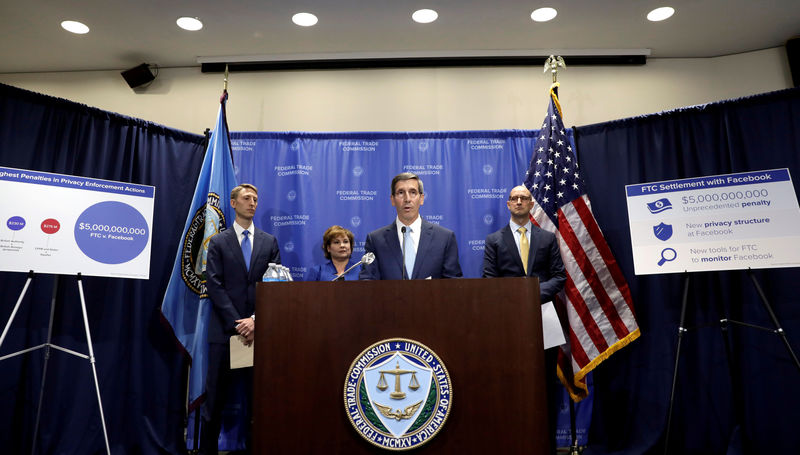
<point x="138" y="75"/>
<point x="793" y="53"/>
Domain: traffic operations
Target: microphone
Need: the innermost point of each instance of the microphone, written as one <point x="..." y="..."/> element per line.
<point x="406" y="274"/>
<point x="366" y="259"/>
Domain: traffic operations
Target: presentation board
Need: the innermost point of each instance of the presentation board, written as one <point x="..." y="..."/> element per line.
<point x="65" y="224"/>
<point x="719" y="222"/>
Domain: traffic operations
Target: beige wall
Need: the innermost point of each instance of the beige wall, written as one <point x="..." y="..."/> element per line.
<point x="426" y="99"/>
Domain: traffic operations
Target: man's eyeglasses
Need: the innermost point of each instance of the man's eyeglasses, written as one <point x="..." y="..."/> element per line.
<point x="520" y="198"/>
<point x="402" y="194"/>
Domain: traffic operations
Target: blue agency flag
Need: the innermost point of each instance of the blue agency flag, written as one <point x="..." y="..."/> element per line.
<point x="186" y="305"/>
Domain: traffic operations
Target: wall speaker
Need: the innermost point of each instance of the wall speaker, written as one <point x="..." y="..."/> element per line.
<point x="793" y="53"/>
<point x="138" y="75"/>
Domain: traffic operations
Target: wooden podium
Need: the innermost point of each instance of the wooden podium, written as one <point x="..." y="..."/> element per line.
<point x="488" y="333"/>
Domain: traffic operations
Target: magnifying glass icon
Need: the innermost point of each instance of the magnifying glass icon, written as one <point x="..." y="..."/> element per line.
<point x="667" y="254"/>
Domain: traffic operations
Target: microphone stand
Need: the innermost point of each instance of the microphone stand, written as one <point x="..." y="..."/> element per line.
<point x="366" y="259"/>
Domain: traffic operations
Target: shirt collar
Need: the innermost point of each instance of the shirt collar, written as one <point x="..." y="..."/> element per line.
<point x="415" y="226"/>
<point x="239" y="229"/>
<point x="514" y="226"/>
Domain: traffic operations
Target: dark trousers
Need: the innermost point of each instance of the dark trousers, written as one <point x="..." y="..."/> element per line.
<point x="553" y="394"/>
<point x="220" y="381"/>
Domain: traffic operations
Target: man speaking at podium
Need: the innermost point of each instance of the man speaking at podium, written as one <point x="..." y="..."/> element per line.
<point x="237" y="258"/>
<point x="410" y="247"/>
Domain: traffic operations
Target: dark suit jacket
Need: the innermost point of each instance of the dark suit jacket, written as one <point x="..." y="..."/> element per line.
<point x="501" y="258"/>
<point x="437" y="254"/>
<point x="231" y="287"/>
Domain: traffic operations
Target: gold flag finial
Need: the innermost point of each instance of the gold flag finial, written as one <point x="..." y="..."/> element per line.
<point x="225" y="80"/>
<point x="552" y="64"/>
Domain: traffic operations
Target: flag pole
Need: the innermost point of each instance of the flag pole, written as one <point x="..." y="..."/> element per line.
<point x="552" y="64"/>
<point x="224" y="101"/>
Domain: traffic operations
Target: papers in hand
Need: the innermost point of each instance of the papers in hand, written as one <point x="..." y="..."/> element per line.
<point x="241" y="355"/>
<point x="551" y="327"/>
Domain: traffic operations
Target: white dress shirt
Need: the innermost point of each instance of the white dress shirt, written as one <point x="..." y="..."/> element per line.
<point x="416" y="227"/>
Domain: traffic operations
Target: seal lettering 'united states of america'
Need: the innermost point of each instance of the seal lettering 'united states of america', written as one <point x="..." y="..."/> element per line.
<point x="397" y="394"/>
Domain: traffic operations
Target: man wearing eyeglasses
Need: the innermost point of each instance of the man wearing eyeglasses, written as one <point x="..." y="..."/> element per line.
<point x="410" y="247"/>
<point x="522" y="249"/>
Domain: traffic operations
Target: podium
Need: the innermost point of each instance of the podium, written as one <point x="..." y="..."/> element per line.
<point x="487" y="332"/>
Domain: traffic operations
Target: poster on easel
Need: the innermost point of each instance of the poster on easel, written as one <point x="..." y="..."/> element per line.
<point x="66" y="224"/>
<point x="747" y="220"/>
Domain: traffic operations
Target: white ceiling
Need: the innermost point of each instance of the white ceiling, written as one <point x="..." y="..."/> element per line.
<point x="126" y="33"/>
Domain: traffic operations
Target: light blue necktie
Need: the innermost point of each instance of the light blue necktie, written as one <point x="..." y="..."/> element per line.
<point x="411" y="252"/>
<point x="247" y="249"/>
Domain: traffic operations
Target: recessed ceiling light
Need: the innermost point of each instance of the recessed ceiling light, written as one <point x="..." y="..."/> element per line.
<point x="189" y="23"/>
<point x="75" y="27"/>
<point x="304" y="19"/>
<point x="659" y="14"/>
<point x="425" y="16"/>
<point x="543" y="14"/>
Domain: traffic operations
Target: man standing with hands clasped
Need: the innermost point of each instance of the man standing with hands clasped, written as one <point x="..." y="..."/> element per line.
<point x="237" y="259"/>
<point x="410" y="247"/>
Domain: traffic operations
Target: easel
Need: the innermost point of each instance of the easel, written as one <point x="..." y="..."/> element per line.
<point x="724" y="321"/>
<point x="46" y="346"/>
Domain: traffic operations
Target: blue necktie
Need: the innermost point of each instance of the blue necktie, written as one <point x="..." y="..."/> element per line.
<point x="410" y="253"/>
<point x="247" y="249"/>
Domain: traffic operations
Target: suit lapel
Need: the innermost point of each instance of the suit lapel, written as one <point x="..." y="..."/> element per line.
<point x="511" y="244"/>
<point x="393" y="244"/>
<point x="261" y="250"/>
<point x="259" y="243"/>
<point x="425" y="239"/>
<point x="233" y="245"/>
<point x="532" y="251"/>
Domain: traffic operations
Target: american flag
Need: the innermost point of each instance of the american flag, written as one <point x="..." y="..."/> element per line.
<point x="596" y="301"/>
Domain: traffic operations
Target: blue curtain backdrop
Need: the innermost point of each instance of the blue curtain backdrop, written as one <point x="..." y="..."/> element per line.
<point x="633" y="386"/>
<point x="310" y="181"/>
<point x="139" y="366"/>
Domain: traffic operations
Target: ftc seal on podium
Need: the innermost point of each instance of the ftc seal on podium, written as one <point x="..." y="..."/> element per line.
<point x="397" y="394"/>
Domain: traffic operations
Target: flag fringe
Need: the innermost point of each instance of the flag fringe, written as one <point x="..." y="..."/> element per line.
<point x="555" y="98"/>
<point x="577" y="389"/>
